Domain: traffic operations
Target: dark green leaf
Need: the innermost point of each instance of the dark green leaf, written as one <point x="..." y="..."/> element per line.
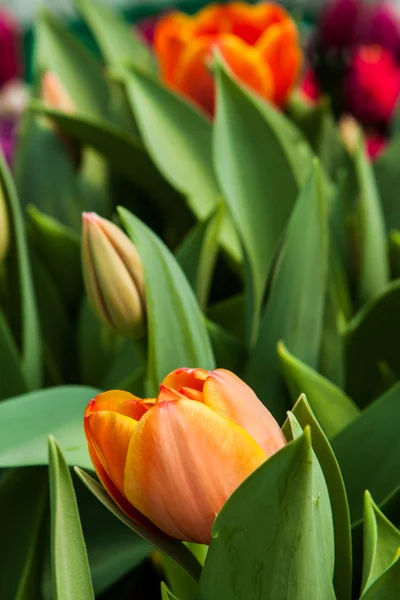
<point x="21" y="284"/>
<point x="197" y="255"/>
<point x="368" y="452"/>
<point x="166" y="594"/>
<point x="116" y="38"/>
<point x="337" y="494"/>
<point x="55" y="410"/>
<point x="59" y="51"/>
<point x="70" y="565"/>
<point x="333" y="409"/>
<point x="387" y="177"/>
<point x="295" y="305"/>
<point x="260" y="200"/>
<point x="229" y="314"/>
<point x="174" y="549"/>
<point x="381" y="542"/>
<point x="23" y="498"/>
<point x="374" y="264"/>
<point x="177" y="333"/>
<point x="266" y="552"/>
<point x="10" y="361"/>
<point x="228" y="351"/>
<point x="371" y="339"/>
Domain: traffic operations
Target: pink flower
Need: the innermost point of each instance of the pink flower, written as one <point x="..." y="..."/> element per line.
<point x="375" y="145"/>
<point x="372" y="86"/>
<point x="10" y="64"/>
<point x="340" y="24"/>
<point x="310" y="87"/>
<point x="383" y="28"/>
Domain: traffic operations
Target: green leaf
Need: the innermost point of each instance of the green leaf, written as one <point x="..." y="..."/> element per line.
<point x="10" y="361"/>
<point x="166" y="594"/>
<point x="23" y="499"/>
<point x="178" y="580"/>
<point x="58" y="247"/>
<point x="229" y="314"/>
<point x="371" y="339"/>
<point x="81" y="75"/>
<point x="266" y="552"/>
<point x="37" y="183"/>
<point x="197" y="255"/>
<point x="179" y="140"/>
<point x="54" y="410"/>
<point x="228" y="351"/>
<point x="21" y="284"/>
<point x="70" y="565"/>
<point x="113" y="550"/>
<point x="387" y="586"/>
<point x="120" y="148"/>
<point x="368" y="450"/>
<point x="117" y="39"/>
<point x="260" y="199"/>
<point x="394" y="250"/>
<point x="337" y="494"/>
<point x="177" y="551"/>
<point x="333" y="409"/>
<point x="169" y="346"/>
<point x="388" y="181"/>
<point x="295" y="304"/>
<point x="381" y="543"/>
<point x="374" y="264"/>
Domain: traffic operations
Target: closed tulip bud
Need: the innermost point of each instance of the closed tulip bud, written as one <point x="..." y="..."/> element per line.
<point x="4" y="228"/>
<point x="113" y="276"/>
<point x="170" y="463"/>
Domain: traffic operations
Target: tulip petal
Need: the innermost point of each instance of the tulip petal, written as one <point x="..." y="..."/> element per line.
<point x="279" y="47"/>
<point x="170" y="37"/>
<point x="191" y="378"/>
<point x="109" y="434"/>
<point x="233" y="399"/>
<point x="247" y="64"/>
<point x="183" y="462"/>
<point x="126" y="507"/>
<point x="120" y="402"/>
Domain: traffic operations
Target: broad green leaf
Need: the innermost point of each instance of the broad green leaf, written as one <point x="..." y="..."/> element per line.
<point x="14" y="383"/>
<point x="21" y="285"/>
<point x="116" y="38"/>
<point x="23" y="498"/>
<point x="179" y="140"/>
<point x="229" y="314"/>
<point x="197" y="255"/>
<point x="124" y="151"/>
<point x="387" y="586"/>
<point x="333" y="409"/>
<point x="58" y="247"/>
<point x="57" y="411"/>
<point x="113" y="550"/>
<point x="177" y="551"/>
<point x="265" y="553"/>
<point x="260" y="196"/>
<point x="295" y="304"/>
<point x="177" y="333"/>
<point x="229" y="352"/>
<point x="337" y="494"/>
<point x="58" y="335"/>
<point x="381" y="542"/>
<point x="70" y="565"/>
<point x="374" y="264"/>
<point x="38" y="184"/>
<point x="388" y="181"/>
<point x="371" y="339"/>
<point x="368" y="450"/>
<point x="59" y="51"/>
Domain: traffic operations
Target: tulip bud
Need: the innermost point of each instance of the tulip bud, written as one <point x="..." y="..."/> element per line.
<point x="54" y="93"/>
<point x="4" y="228"/>
<point x="113" y="276"/>
<point x="170" y="463"/>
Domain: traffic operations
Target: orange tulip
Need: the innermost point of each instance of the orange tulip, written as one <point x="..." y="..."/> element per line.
<point x="259" y="43"/>
<point x="170" y="463"/>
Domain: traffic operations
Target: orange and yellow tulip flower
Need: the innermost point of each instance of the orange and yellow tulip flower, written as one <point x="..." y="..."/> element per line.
<point x="170" y="463"/>
<point x="259" y="43"/>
